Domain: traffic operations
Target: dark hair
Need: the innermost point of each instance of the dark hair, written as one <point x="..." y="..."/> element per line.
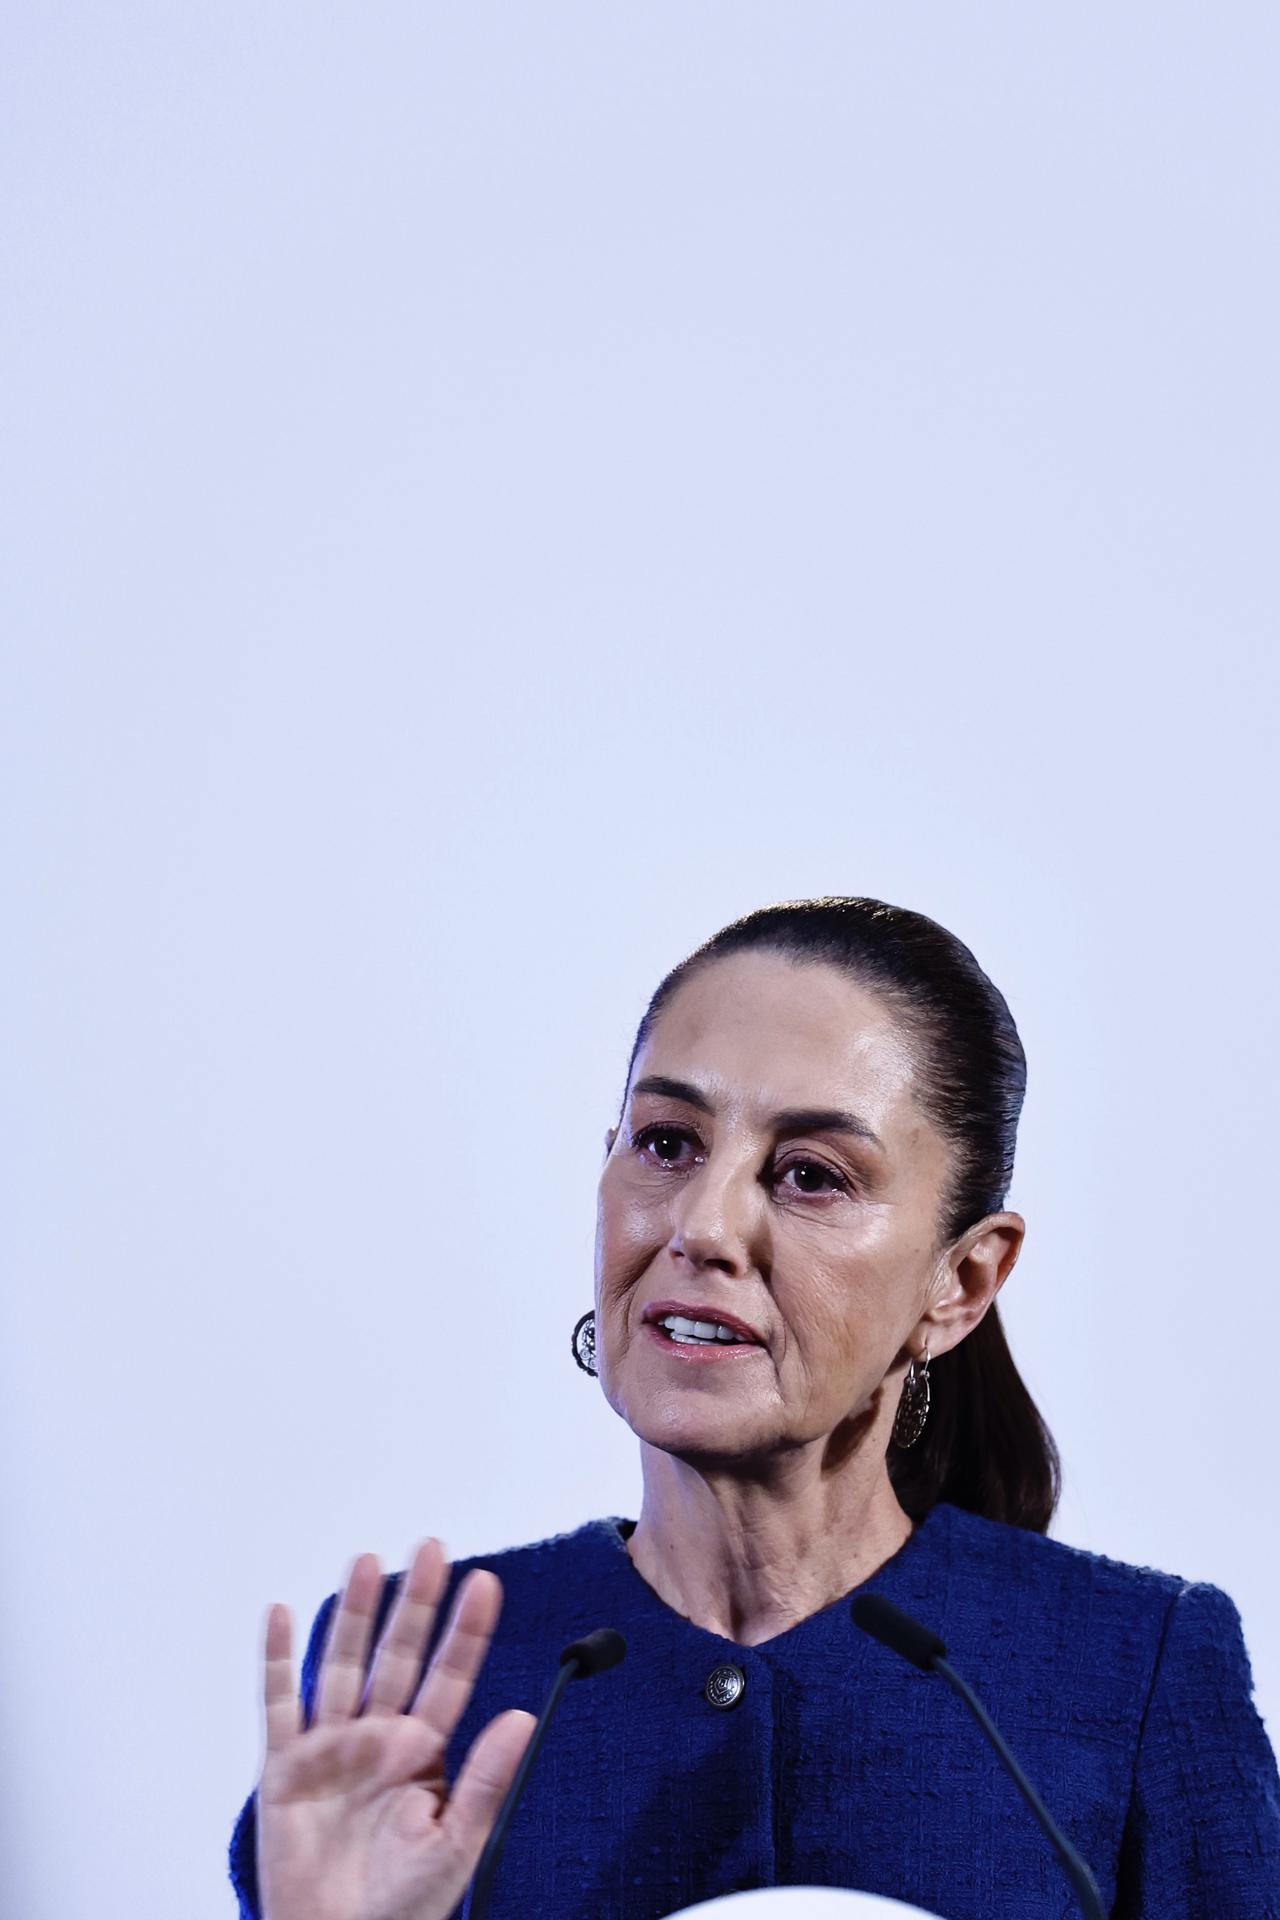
<point x="985" y="1445"/>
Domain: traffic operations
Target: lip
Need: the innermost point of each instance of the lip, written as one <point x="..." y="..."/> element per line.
<point x="657" y="1308"/>
<point x="702" y="1353"/>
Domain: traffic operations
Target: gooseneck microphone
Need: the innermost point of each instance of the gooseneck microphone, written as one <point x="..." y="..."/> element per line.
<point x="592" y="1654"/>
<point x="901" y="1634"/>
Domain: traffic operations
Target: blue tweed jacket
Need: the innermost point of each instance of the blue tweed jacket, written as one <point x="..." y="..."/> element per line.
<point x="1125" y="1693"/>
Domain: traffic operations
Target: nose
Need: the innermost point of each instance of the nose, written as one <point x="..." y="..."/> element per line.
<point x="714" y="1222"/>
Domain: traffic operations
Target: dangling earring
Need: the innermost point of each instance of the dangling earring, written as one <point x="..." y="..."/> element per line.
<point x="584" y="1343"/>
<point x="913" y="1407"/>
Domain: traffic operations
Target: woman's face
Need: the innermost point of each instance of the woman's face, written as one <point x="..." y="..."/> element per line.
<point x="772" y="1164"/>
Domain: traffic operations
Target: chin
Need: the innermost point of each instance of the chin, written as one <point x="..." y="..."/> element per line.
<point x="699" y="1440"/>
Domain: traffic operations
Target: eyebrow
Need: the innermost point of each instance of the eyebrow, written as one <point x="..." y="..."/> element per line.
<point x="789" y="1120"/>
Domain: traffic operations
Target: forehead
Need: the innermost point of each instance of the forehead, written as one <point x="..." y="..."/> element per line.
<point x="758" y="1028"/>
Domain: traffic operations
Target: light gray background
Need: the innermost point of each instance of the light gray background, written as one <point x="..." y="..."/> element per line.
<point x="491" y="494"/>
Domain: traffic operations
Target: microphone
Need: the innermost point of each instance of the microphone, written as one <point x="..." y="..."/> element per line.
<point x="594" y="1653"/>
<point x="901" y="1634"/>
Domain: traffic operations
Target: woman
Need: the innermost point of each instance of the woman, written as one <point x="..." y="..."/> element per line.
<point x="802" y="1232"/>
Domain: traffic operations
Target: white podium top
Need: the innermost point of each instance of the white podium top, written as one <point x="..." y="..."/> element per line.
<point x="800" y="1903"/>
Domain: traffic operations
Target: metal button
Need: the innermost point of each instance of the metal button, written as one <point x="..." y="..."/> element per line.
<point x="725" y="1686"/>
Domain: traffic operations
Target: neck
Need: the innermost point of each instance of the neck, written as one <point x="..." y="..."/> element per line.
<point x="748" y="1556"/>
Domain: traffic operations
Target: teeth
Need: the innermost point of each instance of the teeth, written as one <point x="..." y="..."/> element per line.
<point x="685" y="1330"/>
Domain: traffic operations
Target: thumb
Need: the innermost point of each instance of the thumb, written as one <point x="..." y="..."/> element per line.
<point x="487" y="1772"/>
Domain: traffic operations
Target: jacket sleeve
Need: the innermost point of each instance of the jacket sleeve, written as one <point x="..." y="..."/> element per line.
<point x="1202" y="1836"/>
<point x="242" y="1854"/>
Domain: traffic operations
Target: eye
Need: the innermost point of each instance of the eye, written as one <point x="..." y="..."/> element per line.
<point x="810" y="1169"/>
<point x="662" y="1144"/>
<point x="666" y="1142"/>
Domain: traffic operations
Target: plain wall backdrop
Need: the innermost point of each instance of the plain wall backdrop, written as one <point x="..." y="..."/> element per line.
<point x="492" y="493"/>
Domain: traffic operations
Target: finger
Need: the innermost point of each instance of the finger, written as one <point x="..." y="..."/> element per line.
<point x="284" y="1715"/>
<point x="447" y="1684"/>
<point x="487" y="1773"/>
<point x="346" y="1652"/>
<point x="398" y="1660"/>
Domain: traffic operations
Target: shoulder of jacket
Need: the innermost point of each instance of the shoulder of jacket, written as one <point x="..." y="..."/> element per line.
<point x="531" y="1554"/>
<point x="558" y="1552"/>
<point x="1069" y="1571"/>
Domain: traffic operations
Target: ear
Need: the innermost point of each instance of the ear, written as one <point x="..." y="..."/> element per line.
<point x="977" y="1266"/>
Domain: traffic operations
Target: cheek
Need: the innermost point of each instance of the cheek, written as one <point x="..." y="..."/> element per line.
<point x="629" y="1232"/>
<point x="837" y="1308"/>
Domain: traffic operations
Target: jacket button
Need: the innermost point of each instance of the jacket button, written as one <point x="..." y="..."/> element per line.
<point x="725" y="1686"/>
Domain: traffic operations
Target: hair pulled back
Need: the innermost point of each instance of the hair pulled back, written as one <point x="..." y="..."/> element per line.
<point x="985" y="1446"/>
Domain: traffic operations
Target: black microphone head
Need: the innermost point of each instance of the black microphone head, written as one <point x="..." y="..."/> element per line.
<point x="594" y="1652"/>
<point x="897" y="1631"/>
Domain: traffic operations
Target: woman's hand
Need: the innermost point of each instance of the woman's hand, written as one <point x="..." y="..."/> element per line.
<point x="355" y="1819"/>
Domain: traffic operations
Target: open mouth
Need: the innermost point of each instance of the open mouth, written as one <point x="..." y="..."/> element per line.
<point x="701" y="1327"/>
<point x="701" y="1333"/>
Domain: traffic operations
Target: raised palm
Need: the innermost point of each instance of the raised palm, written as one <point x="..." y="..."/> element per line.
<point x="355" y="1818"/>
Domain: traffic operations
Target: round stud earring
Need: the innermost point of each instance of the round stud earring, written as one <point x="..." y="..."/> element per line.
<point x="584" y="1343"/>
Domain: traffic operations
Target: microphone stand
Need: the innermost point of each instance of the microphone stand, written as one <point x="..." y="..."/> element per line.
<point x="903" y="1635"/>
<point x="593" y="1654"/>
<point x="1086" y="1889"/>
